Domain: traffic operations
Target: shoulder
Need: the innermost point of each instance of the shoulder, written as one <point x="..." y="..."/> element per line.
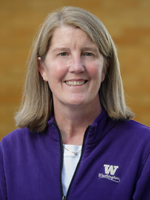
<point x="135" y="132"/>
<point x="134" y="135"/>
<point x="16" y="134"/>
<point x="17" y="138"/>
<point x="132" y="126"/>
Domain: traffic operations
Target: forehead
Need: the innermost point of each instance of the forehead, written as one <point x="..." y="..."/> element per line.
<point x="70" y="35"/>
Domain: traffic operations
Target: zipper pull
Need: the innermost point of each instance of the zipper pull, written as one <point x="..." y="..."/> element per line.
<point x="63" y="198"/>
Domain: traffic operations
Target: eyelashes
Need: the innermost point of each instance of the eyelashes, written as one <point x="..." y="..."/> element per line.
<point x="87" y="54"/>
<point x="63" y="54"/>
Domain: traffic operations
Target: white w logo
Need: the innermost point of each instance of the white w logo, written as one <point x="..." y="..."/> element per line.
<point x="110" y="169"/>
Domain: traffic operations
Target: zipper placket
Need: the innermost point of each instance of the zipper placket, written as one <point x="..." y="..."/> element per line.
<point x="79" y="161"/>
<point x="61" y="165"/>
<point x="61" y="162"/>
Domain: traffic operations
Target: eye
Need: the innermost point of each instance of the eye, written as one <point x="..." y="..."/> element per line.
<point x="63" y="54"/>
<point x="88" y="54"/>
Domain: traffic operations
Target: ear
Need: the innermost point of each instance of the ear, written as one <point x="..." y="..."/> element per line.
<point x="103" y="75"/>
<point x="105" y="68"/>
<point x="41" y="69"/>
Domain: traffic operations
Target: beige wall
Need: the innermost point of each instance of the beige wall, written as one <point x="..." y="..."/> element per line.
<point x="128" y="22"/>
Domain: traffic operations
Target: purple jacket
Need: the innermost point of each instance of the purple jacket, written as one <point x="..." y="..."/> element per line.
<point x="114" y="163"/>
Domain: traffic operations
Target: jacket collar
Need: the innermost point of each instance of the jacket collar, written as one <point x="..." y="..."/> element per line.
<point x="101" y="126"/>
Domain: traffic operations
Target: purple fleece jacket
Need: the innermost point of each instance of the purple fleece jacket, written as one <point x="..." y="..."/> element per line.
<point x="114" y="163"/>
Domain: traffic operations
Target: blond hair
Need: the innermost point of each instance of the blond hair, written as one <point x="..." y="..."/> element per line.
<point x="37" y="104"/>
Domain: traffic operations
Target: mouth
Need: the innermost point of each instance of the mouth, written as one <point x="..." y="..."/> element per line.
<point x="75" y="83"/>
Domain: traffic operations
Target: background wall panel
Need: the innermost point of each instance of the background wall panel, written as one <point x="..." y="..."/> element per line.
<point x="126" y="20"/>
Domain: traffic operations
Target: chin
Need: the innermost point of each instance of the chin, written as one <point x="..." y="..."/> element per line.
<point x="76" y="103"/>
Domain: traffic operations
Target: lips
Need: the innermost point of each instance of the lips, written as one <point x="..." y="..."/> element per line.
<point x="75" y="83"/>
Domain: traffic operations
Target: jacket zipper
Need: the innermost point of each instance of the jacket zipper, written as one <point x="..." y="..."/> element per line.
<point x="61" y="165"/>
<point x="79" y="161"/>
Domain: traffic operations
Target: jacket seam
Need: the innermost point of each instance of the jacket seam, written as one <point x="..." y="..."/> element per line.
<point x="144" y="162"/>
<point x="3" y="172"/>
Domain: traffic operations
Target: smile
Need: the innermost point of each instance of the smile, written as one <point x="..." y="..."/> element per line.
<point x="75" y="83"/>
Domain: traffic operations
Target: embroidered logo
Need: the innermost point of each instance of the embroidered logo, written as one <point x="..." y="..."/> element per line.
<point x="110" y="171"/>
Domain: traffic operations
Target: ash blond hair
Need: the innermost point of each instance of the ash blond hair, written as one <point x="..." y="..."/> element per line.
<point x="37" y="104"/>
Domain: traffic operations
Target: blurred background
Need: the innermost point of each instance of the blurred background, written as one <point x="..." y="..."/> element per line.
<point x="128" y="22"/>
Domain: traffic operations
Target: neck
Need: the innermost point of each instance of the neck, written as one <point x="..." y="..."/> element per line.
<point x="73" y="121"/>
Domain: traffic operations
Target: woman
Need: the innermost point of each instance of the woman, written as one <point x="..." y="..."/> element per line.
<point x="76" y="138"/>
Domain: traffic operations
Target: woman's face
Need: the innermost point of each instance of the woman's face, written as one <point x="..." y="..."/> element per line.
<point x="73" y="67"/>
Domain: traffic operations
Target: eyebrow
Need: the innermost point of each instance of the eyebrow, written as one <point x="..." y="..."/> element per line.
<point x="95" y="50"/>
<point x="60" y="49"/>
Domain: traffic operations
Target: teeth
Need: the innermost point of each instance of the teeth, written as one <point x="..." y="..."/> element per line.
<point x="73" y="83"/>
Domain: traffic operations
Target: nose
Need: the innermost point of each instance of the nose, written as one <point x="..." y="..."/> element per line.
<point x="76" y="65"/>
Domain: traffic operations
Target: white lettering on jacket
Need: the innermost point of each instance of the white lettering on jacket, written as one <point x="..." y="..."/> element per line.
<point x="110" y="171"/>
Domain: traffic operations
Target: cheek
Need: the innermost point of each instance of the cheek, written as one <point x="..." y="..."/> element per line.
<point x="95" y="71"/>
<point x="56" y="72"/>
